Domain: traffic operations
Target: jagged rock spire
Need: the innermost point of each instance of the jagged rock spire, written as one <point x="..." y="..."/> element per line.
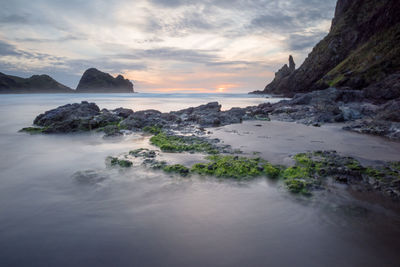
<point x="292" y="65"/>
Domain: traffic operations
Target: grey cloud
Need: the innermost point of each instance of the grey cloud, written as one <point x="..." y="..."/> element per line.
<point x="7" y="49"/>
<point x="65" y="38"/>
<point x="13" y="19"/>
<point x="298" y="42"/>
<point x="173" y="54"/>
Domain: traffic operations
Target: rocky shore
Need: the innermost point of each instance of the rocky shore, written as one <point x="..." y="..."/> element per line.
<point x="184" y="131"/>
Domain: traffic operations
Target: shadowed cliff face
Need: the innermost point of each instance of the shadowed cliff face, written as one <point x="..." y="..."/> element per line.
<point x="95" y="81"/>
<point x="35" y="84"/>
<point x="361" y="49"/>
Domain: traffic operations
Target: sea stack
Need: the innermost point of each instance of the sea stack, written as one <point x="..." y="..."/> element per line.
<point x="95" y="81"/>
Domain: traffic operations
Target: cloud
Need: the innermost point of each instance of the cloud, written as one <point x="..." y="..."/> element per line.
<point x="226" y="40"/>
<point x="7" y="49"/>
<point x="299" y="42"/>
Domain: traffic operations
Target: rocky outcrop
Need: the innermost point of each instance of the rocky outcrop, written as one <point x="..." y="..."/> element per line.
<point x="280" y="77"/>
<point x="360" y="50"/>
<point x="78" y="117"/>
<point x="95" y="81"/>
<point x="36" y="84"/>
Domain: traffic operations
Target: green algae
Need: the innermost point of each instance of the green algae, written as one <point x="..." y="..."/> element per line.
<point x="154" y="129"/>
<point x="120" y="162"/>
<point x="33" y="130"/>
<point x="272" y="171"/>
<point x="143" y="152"/>
<point x="230" y="167"/>
<point x="174" y="143"/>
<point x="298" y="186"/>
<point x="176" y="168"/>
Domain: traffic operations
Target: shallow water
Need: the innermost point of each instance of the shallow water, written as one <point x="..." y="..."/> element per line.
<point x="50" y="215"/>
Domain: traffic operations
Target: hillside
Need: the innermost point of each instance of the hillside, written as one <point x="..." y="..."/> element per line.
<point x="35" y="84"/>
<point x="360" y="50"/>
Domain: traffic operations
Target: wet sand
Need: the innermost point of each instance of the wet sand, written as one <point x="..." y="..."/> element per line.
<point x="276" y="141"/>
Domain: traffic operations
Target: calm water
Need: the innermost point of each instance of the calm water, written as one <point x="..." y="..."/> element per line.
<point x="52" y="216"/>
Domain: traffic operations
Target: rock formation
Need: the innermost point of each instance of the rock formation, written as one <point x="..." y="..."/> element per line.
<point x="360" y="50"/>
<point x="95" y="81"/>
<point x="36" y="84"/>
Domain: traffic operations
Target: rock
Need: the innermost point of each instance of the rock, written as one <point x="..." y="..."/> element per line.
<point x="95" y="81"/>
<point x="360" y="50"/>
<point x="77" y="118"/>
<point x="112" y="131"/>
<point x="390" y="111"/>
<point x="387" y="129"/>
<point x="387" y="89"/>
<point x="69" y="112"/>
<point x="140" y="119"/>
<point x="123" y="112"/>
<point x="292" y="65"/>
<point x="281" y="76"/>
<point x="35" y="84"/>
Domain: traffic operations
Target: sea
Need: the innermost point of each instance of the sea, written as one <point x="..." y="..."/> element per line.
<point x="61" y="205"/>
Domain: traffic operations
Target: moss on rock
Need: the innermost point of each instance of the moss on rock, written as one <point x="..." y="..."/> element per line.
<point x="177" y="168"/>
<point x="33" y="130"/>
<point x="120" y="162"/>
<point x="176" y="143"/>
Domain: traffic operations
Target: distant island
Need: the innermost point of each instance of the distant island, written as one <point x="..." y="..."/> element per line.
<point x="92" y="81"/>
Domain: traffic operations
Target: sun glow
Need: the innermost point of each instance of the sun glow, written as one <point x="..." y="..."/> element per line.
<point x="220" y="89"/>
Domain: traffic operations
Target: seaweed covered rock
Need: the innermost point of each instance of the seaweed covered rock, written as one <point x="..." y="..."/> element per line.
<point x="77" y="117"/>
<point x="68" y="118"/>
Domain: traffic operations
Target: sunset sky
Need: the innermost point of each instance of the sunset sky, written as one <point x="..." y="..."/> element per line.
<point x="228" y="46"/>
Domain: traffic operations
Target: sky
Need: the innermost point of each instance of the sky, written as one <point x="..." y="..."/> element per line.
<point x="229" y="46"/>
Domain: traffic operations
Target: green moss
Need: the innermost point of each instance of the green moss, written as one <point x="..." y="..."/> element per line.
<point x="298" y="186"/>
<point x="372" y="61"/>
<point x="33" y="130"/>
<point x="296" y="172"/>
<point x="173" y="143"/>
<point x="395" y="166"/>
<point x="372" y="172"/>
<point x="120" y="162"/>
<point x="354" y="165"/>
<point x="262" y="118"/>
<point x="271" y="171"/>
<point x="177" y="168"/>
<point x="143" y="152"/>
<point x="155" y="129"/>
<point x="230" y="167"/>
<point x="336" y="80"/>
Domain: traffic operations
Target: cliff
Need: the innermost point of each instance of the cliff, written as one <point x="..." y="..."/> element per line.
<point x="36" y="84"/>
<point x="360" y="50"/>
<point x="95" y="81"/>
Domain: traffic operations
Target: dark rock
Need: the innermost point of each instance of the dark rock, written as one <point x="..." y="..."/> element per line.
<point x="140" y="119"/>
<point x="111" y="131"/>
<point x="35" y="84"/>
<point x="123" y="112"/>
<point x="387" y="129"/>
<point x="281" y="76"/>
<point x="390" y="111"/>
<point x="70" y="112"/>
<point x="388" y="89"/>
<point x="95" y="81"/>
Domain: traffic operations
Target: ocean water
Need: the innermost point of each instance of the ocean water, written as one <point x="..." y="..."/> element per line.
<point x="60" y="205"/>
